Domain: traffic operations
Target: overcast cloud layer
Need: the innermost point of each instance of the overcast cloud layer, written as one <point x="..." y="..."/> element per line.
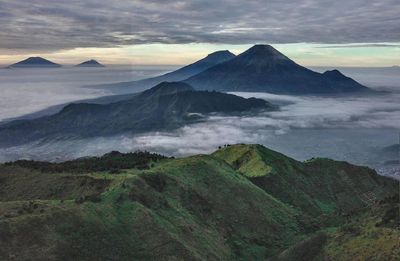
<point x="45" y="25"/>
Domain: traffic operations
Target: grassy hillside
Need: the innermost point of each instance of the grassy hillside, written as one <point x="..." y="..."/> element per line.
<point x="243" y="202"/>
<point x="318" y="186"/>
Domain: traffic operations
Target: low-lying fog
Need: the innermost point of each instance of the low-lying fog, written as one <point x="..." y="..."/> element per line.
<point x="355" y="129"/>
<point x="24" y="91"/>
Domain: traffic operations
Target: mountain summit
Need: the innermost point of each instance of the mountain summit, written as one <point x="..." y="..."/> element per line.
<point x="35" y="62"/>
<point x="262" y="68"/>
<point x="90" y="63"/>
<point x="267" y="53"/>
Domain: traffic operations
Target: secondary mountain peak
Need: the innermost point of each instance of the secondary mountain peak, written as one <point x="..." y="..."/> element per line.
<point x="220" y="55"/>
<point x="35" y="62"/>
<point x="179" y="75"/>
<point x="90" y="63"/>
<point x="334" y="73"/>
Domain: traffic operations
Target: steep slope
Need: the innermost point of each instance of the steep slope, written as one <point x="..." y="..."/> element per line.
<point x="263" y="68"/>
<point x="196" y="208"/>
<point x="178" y="75"/>
<point x="90" y="63"/>
<point x="35" y="62"/>
<point x="164" y="107"/>
<point x="318" y="186"/>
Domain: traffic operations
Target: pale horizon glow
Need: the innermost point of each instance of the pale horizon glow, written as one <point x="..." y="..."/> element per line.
<point x="312" y="55"/>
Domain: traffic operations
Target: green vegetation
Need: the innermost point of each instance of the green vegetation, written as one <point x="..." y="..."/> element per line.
<point x="243" y="202"/>
<point x="113" y="161"/>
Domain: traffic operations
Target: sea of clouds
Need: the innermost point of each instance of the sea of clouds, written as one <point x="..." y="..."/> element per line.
<point x="350" y="128"/>
<point x="24" y="91"/>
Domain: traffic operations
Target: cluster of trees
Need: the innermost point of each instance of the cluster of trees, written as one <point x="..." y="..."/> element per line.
<point x="224" y="146"/>
<point x="113" y="162"/>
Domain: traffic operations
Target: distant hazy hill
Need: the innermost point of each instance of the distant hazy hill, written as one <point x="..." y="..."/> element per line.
<point x="35" y="62"/>
<point x="90" y="63"/>
<point x="264" y="69"/>
<point x="178" y="75"/>
<point x="165" y="106"/>
<point x="393" y="149"/>
<point x="391" y="154"/>
<point x="243" y="202"/>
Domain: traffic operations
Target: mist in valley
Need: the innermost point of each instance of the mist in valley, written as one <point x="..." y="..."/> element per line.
<point x="350" y="128"/>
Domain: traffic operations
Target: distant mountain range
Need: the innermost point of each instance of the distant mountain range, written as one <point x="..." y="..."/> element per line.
<point x="264" y="69"/>
<point x="35" y="62"/>
<point x="164" y="107"/>
<point x="259" y="69"/>
<point x="90" y="63"/>
<point x="39" y="62"/>
<point x="178" y="75"/>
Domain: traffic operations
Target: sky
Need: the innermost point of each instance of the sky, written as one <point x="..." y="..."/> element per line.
<point x="312" y="32"/>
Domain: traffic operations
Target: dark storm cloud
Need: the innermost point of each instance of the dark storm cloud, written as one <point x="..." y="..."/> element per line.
<point x="53" y="25"/>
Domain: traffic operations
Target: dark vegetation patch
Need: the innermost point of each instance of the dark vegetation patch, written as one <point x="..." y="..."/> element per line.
<point x="149" y="194"/>
<point x="196" y="204"/>
<point x="113" y="162"/>
<point x="305" y="250"/>
<point x="391" y="216"/>
<point x="22" y="184"/>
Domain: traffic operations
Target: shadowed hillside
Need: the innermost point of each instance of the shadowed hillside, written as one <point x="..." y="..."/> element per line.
<point x="177" y="75"/>
<point x="166" y="106"/>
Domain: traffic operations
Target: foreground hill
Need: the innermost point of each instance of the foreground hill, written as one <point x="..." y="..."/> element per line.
<point x="243" y="202"/>
<point x="264" y="69"/>
<point x="178" y="75"/>
<point x="35" y="62"/>
<point x="90" y="63"/>
<point x="164" y="107"/>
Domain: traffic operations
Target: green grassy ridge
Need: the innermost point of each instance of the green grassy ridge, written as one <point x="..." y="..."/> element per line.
<point x="195" y="208"/>
<point x="113" y="161"/>
<point x="18" y="183"/>
<point x="316" y="187"/>
<point x="187" y="203"/>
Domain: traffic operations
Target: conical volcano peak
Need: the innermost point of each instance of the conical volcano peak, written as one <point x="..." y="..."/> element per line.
<point x="34" y="62"/>
<point x="90" y="63"/>
<point x="265" y="51"/>
<point x="263" y="68"/>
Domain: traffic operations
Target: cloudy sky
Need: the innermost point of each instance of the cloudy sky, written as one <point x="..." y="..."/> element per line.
<point x="313" y="32"/>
